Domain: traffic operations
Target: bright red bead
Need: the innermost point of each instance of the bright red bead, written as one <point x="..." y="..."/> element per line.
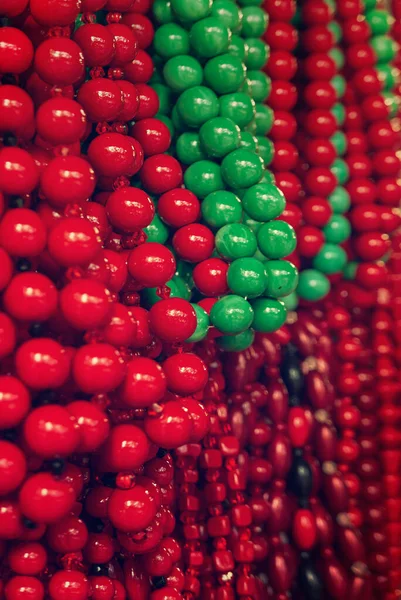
<point x="131" y="510"/>
<point x="96" y="43"/>
<point x="69" y="585"/>
<point x="144" y="384"/>
<point x="161" y="173"/>
<point x="97" y="368"/>
<point x="151" y="264"/>
<point x="59" y="61"/>
<point x="186" y="373"/>
<point x="45" y="499"/>
<point x="172" y="320"/>
<point x="14" y="401"/>
<point x="51" y="431"/>
<point x="12" y="468"/>
<point x="31" y="297"/>
<point x="85" y="303"/>
<point x="73" y="242"/>
<point x="22" y="586"/>
<point x="169" y="428"/>
<point x="130" y="208"/>
<point x="16" y="51"/>
<point x="19" y="174"/>
<point x="210" y="277"/>
<point x="193" y="243"/>
<point x="67" y="179"/>
<point x="42" y="363"/>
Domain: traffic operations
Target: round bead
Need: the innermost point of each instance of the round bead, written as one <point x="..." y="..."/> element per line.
<point x="276" y="240"/>
<point x="96" y="43"/>
<point x="144" y="384"/>
<point x="64" y="585"/>
<point x="178" y="207"/>
<point x="219" y="136"/>
<point x="19" y="174"/>
<point x="221" y="208"/>
<point x="153" y="135"/>
<point x="246" y="277"/>
<point x="202" y="325"/>
<point x="151" y="264"/>
<point x="263" y="202"/>
<point x="129" y="209"/>
<point x="45" y="499"/>
<point x="231" y="314"/>
<point x="85" y="303"/>
<point x="224" y="73"/>
<point x="42" y="363"/>
<point x="61" y="121"/>
<point x="112" y="155"/>
<point x="101" y="99"/>
<point x="182" y="72"/>
<point x="17" y="110"/>
<point x="210" y="277"/>
<point x="235" y="241"/>
<point x="186" y="373"/>
<point x="269" y="315"/>
<point x="282" y="278"/>
<point x="171" y="427"/>
<point x="27" y="558"/>
<point x="313" y="285"/>
<point x="30" y="297"/>
<point x="73" y="241"/>
<point x="241" y="168"/>
<point x="171" y="40"/>
<point x="197" y="105"/>
<point x="238" y="342"/>
<point x="14" y="401"/>
<point x="12" y="470"/>
<point x="193" y="12"/>
<point x="51" y="431"/>
<point x="209" y="37"/>
<point x="97" y="368"/>
<point x="16" y="51"/>
<point x="194" y="242"/>
<point x="59" y="61"/>
<point x="172" y="320"/>
<point x="161" y="173"/>
<point x="127" y="448"/>
<point x="93" y="425"/>
<point x="51" y="12"/>
<point x="238" y="107"/>
<point x="203" y="178"/>
<point x="330" y="259"/>
<point x="131" y="510"/>
<point x="67" y="179"/>
<point x="24" y="586"/>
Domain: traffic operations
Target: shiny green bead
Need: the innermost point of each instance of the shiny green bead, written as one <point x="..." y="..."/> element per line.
<point x="258" y="53"/>
<point x="264" y="117"/>
<point x="339" y="142"/>
<point x="209" y="37"/>
<point x="224" y="73"/>
<point x="246" y="277"/>
<point x="338" y="112"/>
<point x="231" y="314"/>
<point x="238" y="48"/>
<point x="369" y="5"/>
<point x="340" y="200"/>
<point x="191" y="11"/>
<point x="197" y="105"/>
<point x="182" y="72"/>
<point x="165" y="100"/>
<point x="337" y="230"/>
<point x="221" y="208"/>
<point x="387" y="75"/>
<point x="219" y="136"/>
<point x="184" y="270"/>
<point x="164" y="119"/>
<point x="259" y="85"/>
<point x="379" y="21"/>
<point x="263" y="202"/>
<point x="338" y="56"/>
<point x="338" y="83"/>
<point x="276" y="239"/>
<point x="290" y="301"/>
<point x="203" y="178"/>
<point x="236" y="343"/>
<point x="265" y="149"/>
<point x="340" y="169"/>
<point x="171" y="40"/>
<point x="254" y="21"/>
<point x="282" y="278"/>
<point x="251" y="127"/>
<point x="384" y="48"/>
<point x="268" y="177"/>
<point x="202" y="325"/>
<point x="177" y="121"/>
<point x="157" y="231"/>
<point x="349" y="271"/>
<point x="335" y="29"/>
<point x="330" y="259"/>
<point x="235" y="241"/>
<point x="312" y="285"/>
<point x="162" y="11"/>
<point x="249" y="141"/>
<point x="189" y="149"/>
<point x="228" y="13"/>
<point x="239" y="107"/>
<point x="269" y="315"/>
<point x="182" y="287"/>
<point x="241" y="168"/>
<point x="254" y="225"/>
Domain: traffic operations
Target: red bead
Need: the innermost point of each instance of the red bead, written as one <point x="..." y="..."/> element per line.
<point x="317" y="211"/>
<point x="67" y="179"/>
<point x="151" y="264"/>
<point x="8" y="335"/>
<point x="199" y="419"/>
<point x="16" y="109"/>
<point x="99" y="548"/>
<point x="13" y="8"/>
<point x="51" y="12"/>
<point x="73" y="241"/>
<point x="320" y="123"/>
<point x="320" y="181"/>
<point x="139" y="71"/>
<point x="30" y="297"/>
<point x="283" y="95"/>
<point x="131" y="510"/>
<point x="193" y="243"/>
<point x="102" y="588"/>
<point x="42" y="363"/>
<point x="172" y="320"/>
<point x="92" y="423"/>
<point x="14" y="401"/>
<point x="304" y="529"/>
<point x="127" y="448"/>
<point x="59" y="61"/>
<point x="372" y="246"/>
<point x="130" y="99"/>
<point x="69" y="585"/>
<point x="210" y="277"/>
<point x="16" y="51"/>
<point x="12" y="468"/>
<point x="97" y="368"/>
<point x="186" y="373"/>
<point x="27" y="558"/>
<point x="21" y="587"/>
<point x="19" y="174"/>
<point x="61" y="121"/>
<point x="45" y="499"/>
<point x="281" y="36"/>
<point x="100" y="98"/>
<point x="161" y="173"/>
<point x="96" y="43"/>
<point x="171" y="427"/>
<point x="51" y="431"/>
<point x="144" y="384"/>
<point x="280" y="10"/>
<point x="85" y="303"/>
<point x="319" y="66"/>
<point x="310" y="241"/>
<point x="125" y="44"/>
<point x="285" y="156"/>
<point x="121" y="328"/>
<point x="281" y="65"/>
<point x="129" y="209"/>
<point x="153" y="135"/>
<point x="178" y="207"/>
<point x="112" y="155"/>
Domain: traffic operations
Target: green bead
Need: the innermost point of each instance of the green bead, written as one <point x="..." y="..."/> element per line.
<point x="184" y="270"/>
<point x="269" y="315"/>
<point x="203" y="178"/>
<point x="387" y="75"/>
<point x="339" y="142"/>
<point x="197" y="105"/>
<point x="254" y="21"/>
<point x="241" y="168"/>
<point x="183" y="288"/>
<point x="221" y="208"/>
<point x="191" y="11"/>
<point x="236" y="343"/>
<point x="265" y="149"/>
<point x="264" y="117"/>
<point x="338" y="56"/>
<point x="224" y="73"/>
<point x="263" y="202"/>
<point x="340" y="200"/>
<point x="167" y="122"/>
<point x="235" y="241"/>
<point x="369" y="5"/>
<point x="209" y="37"/>
<point x="157" y="231"/>
<point x="254" y="225"/>
<point x="246" y="277"/>
<point x="239" y="107"/>
<point x="258" y="53"/>
<point x="251" y="127"/>
<point x="312" y="285"/>
<point x="338" y="112"/>
<point x="259" y="85"/>
<point x="189" y="149"/>
<point x="379" y="21"/>
<point x="330" y="259"/>
<point x="177" y="121"/>
<point x="231" y="314"/>
<point x="228" y="13"/>
<point x="162" y="11"/>
<point x="250" y="2"/>
<point x="340" y="169"/>
<point x="164" y="93"/>
<point x="276" y="239"/>
<point x="290" y="301"/>
<point x="248" y="141"/>
<point x="268" y="177"/>
<point x="335" y="29"/>
<point x="202" y="324"/>
<point x="282" y="278"/>
<point x="238" y="48"/>
<point x="219" y="136"/>
<point x="349" y="271"/>
<point x="338" y="82"/>
<point x="337" y="230"/>
<point x="384" y="48"/>
<point x="182" y="72"/>
<point x="171" y="40"/>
